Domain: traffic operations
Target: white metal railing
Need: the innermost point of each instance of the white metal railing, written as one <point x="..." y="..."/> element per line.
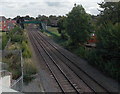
<point x="18" y="85"/>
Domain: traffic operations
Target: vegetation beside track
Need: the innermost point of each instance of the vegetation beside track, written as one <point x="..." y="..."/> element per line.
<point x="19" y="41"/>
<point x="105" y="56"/>
<point x="4" y="39"/>
<point x="79" y="50"/>
<point x="7" y="35"/>
<point x="13" y="61"/>
<point x="92" y="55"/>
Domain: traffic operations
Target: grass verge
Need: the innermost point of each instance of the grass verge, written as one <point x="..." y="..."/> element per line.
<point x="19" y="41"/>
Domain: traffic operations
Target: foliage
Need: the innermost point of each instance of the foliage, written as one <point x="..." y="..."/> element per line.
<point x="16" y="29"/>
<point x="4" y="40"/>
<point x="78" y="25"/>
<point x="17" y="38"/>
<point x="107" y="54"/>
<point x="15" y="74"/>
<point x="26" y="54"/>
<point x="14" y="64"/>
<point x="61" y="27"/>
<point x="20" y="21"/>
<point x="53" y="33"/>
<point x="29" y="67"/>
<point x="19" y="41"/>
<point x="14" y="46"/>
<point x="16" y="34"/>
<point x="61" y="24"/>
<point x="110" y="67"/>
<point x="26" y="51"/>
<point x="82" y="52"/>
<point x="29" y="70"/>
<point x="111" y="12"/>
<point x="108" y="39"/>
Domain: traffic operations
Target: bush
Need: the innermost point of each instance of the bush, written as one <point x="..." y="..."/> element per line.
<point x="14" y="30"/>
<point x="64" y="35"/>
<point x="26" y="54"/>
<point x="14" y="64"/>
<point x="29" y="67"/>
<point x="15" y="74"/>
<point x="17" y="29"/>
<point x="81" y="51"/>
<point x="29" y="70"/>
<point x="17" y="38"/>
<point x="4" y="40"/>
<point x="27" y="78"/>
<point x="106" y="56"/>
<point x="110" y="67"/>
<point x="25" y="49"/>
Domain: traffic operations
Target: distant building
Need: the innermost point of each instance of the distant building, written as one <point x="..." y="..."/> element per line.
<point x="3" y="23"/>
<point x="6" y="25"/>
<point x="10" y="24"/>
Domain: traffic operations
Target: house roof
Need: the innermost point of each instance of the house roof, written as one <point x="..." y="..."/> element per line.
<point x="2" y="18"/>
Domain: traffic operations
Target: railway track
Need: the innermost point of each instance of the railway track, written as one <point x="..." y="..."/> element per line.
<point x="93" y="84"/>
<point x="56" y="61"/>
<point x="60" y="77"/>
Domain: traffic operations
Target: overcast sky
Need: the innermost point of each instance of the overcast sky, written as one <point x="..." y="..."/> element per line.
<point x="12" y="8"/>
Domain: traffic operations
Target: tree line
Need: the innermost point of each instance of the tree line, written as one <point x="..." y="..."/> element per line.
<point x="77" y="27"/>
<point x="49" y="20"/>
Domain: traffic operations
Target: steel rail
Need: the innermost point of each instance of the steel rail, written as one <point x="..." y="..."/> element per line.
<point x="46" y="64"/>
<point x="53" y="72"/>
<point x="75" y="66"/>
<point x="77" y="91"/>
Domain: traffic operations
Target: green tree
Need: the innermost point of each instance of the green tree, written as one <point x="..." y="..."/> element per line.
<point x="110" y="12"/>
<point x="61" y="27"/>
<point x="78" y="25"/>
<point x="108" y="31"/>
<point x="106" y="56"/>
<point x="109" y="41"/>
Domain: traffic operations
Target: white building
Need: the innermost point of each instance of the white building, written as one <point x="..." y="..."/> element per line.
<point x="5" y="80"/>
